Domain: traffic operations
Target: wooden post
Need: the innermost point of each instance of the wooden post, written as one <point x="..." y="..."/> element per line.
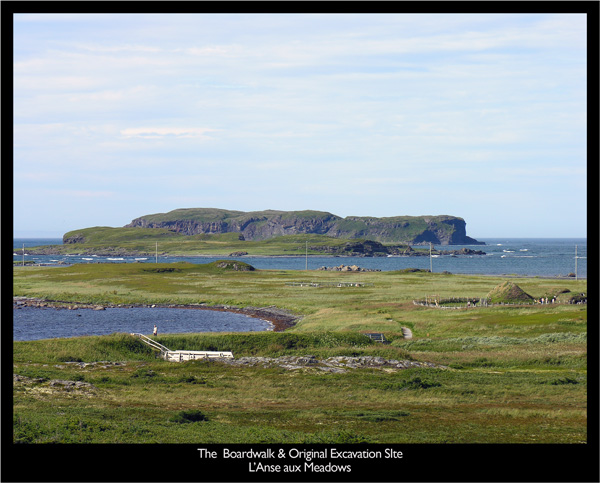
<point x="575" y="262"/>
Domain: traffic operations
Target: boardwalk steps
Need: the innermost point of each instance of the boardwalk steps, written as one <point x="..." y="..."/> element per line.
<point x="184" y="355"/>
<point x="377" y="337"/>
<point x="151" y="342"/>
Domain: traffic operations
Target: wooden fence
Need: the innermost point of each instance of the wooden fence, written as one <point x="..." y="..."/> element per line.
<point x="329" y="284"/>
<point x="464" y="303"/>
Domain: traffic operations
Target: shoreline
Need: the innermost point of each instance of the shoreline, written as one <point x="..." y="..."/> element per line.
<point x="279" y="319"/>
<point x="465" y="274"/>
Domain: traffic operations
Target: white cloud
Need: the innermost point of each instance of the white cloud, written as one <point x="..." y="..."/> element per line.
<point x="364" y="108"/>
<point x="161" y="132"/>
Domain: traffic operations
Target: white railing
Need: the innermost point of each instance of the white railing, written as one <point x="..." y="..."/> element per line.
<point x="152" y="343"/>
<point x="181" y="356"/>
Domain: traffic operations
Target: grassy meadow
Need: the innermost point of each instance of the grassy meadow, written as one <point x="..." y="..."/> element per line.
<point x="513" y="374"/>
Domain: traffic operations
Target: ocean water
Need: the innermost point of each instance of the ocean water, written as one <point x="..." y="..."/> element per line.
<point x="544" y="257"/>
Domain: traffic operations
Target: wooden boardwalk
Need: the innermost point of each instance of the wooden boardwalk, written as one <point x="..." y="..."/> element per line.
<point x="182" y="356"/>
<point x="185" y="355"/>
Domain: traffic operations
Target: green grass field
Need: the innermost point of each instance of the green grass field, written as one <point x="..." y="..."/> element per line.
<point x="514" y="374"/>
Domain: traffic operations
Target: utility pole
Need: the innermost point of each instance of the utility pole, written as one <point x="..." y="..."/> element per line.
<point x="575" y="262"/>
<point x="156" y="254"/>
<point x="306" y="264"/>
<point x="23" y="254"/>
<point x="430" y="259"/>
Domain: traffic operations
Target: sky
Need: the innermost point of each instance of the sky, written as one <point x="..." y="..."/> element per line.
<point x="117" y="116"/>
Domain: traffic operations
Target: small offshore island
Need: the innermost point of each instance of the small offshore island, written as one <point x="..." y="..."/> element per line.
<point x="210" y="232"/>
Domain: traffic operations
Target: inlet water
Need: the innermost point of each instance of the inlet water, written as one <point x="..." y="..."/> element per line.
<point x="33" y="323"/>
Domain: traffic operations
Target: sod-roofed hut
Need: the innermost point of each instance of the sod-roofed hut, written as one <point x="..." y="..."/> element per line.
<point x="508" y="292"/>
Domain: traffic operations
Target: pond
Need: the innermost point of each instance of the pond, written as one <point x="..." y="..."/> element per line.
<point x="33" y="323"/>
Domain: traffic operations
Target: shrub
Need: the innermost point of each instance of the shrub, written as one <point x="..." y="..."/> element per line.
<point x="191" y="416"/>
<point x="160" y="270"/>
<point x="145" y="373"/>
<point x="379" y="416"/>
<point x="191" y="379"/>
<point x="25" y="431"/>
<point x="68" y="358"/>
<point x="344" y="437"/>
<point x="414" y="383"/>
<point x="566" y="380"/>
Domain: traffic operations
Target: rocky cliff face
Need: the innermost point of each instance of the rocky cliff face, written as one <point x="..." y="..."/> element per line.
<point x="262" y="225"/>
<point x="253" y="225"/>
<point x="449" y="231"/>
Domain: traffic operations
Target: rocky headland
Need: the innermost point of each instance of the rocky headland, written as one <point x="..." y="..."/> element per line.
<point x="263" y="225"/>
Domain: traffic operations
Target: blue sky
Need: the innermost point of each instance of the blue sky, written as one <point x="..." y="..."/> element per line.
<point x="477" y="116"/>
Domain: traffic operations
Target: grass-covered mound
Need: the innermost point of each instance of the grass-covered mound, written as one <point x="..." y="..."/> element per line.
<point x="508" y="292"/>
<point x="234" y="265"/>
